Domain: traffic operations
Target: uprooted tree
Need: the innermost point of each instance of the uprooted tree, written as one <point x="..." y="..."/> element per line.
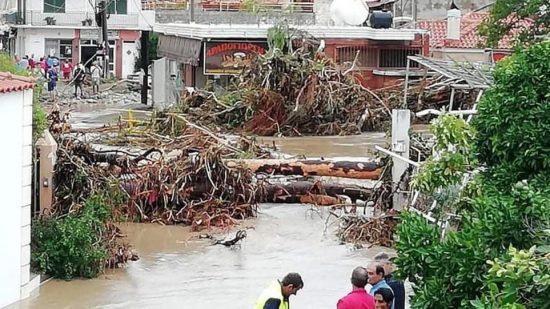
<point x="296" y="90"/>
<point x="503" y="213"/>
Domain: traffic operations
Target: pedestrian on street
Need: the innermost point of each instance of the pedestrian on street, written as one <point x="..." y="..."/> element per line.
<point x="67" y="68"/>
<point x="376" y="275"/>
<point x="78" y="79"/>
<point x="383" y="298"/>
<point x="397" y="286"/>
<point x="96" y="76"/>
<point x="277" y="295"/>
<point x="52" y="82"/>
<point x="358" y="298"/>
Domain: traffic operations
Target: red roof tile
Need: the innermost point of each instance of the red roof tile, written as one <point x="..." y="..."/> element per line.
<point x="468" y="33"/>
<point x="12" y="83"/>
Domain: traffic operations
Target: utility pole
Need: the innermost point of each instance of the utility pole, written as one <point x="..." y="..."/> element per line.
<point x="101" y="20"/>
<point x="144" y="51"/>
<point x="105" y="37"/>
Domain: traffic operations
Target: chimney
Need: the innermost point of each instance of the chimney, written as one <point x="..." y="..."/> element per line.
<point x="453" y="22"/>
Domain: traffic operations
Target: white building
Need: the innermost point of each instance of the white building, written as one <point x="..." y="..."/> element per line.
<point x="16" y="166"/>
<point x="67" y="29"/>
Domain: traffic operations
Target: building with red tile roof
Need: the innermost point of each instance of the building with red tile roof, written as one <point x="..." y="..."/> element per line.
<point x="14" y="83"/>
<point x="471" y="45"/>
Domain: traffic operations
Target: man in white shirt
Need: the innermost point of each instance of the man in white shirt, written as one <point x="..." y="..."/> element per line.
<point x="96" y="77"/>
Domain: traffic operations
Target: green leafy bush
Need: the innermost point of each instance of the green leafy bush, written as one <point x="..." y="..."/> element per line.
<point x="520" y="279"/>
<point x="506" y="206"/>
<point x="513" y="124"/>
<point x="71" y="246"/>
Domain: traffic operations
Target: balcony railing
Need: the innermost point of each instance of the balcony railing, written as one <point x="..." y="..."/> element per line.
<point x="38" y="18"/>
<point x="231" y="5"/>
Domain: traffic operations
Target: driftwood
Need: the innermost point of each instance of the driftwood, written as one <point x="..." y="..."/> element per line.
<point x="301" y="191"/>
<point x="310" y="167"/>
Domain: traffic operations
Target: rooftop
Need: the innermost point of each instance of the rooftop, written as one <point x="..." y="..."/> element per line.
<point x="249" y="31"/>
<point x="468" y="32"/>
<point x="14" y="83"/>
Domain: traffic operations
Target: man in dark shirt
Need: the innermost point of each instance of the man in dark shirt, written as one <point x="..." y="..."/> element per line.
<point x="397" y="286"/>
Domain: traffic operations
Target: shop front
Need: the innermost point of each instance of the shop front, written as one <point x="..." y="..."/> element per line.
<point x="225" y="59"/>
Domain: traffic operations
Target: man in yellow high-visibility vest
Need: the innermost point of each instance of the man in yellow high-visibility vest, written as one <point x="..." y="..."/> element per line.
<point x="277" y="294"/>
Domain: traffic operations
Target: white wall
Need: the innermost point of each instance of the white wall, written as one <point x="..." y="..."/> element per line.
<point x="11" y="106"/>
<point x="70" y="5"/>
<point x="34" y="39"/>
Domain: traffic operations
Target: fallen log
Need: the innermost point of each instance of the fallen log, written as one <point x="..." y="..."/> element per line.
<point x="315" y="199"/>
<point x="310" y="167"/>
<point x="292" y="192"/>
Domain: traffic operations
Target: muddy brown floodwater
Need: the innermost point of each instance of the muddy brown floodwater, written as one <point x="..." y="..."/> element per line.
<point x="175" y="272"/>
<point x="179" y="271"/>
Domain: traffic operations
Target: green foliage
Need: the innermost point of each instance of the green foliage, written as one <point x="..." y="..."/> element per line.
<point x="513" y="124"/>
<point x="519" y="279"/>
<point x="505" y="206"/>
<point x="253" y="6"/>
<point x="453" y="138"/>
<point x="71" y="246"/>
<point x="278" y="37"/>
<point x="39" y="119"/>
<point x="507" y="15"/>
<point x="497" y="220"/>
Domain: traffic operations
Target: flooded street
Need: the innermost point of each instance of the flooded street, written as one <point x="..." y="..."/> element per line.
<point x="177" y="270"/>
<point x="176" y="273"/>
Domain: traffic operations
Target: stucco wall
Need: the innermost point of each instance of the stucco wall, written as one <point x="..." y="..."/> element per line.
<point x="16" y="195"/>
<point x="32" y="41"/>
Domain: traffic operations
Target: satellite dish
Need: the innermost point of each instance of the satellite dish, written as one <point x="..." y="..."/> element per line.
<point x="349" y="12"/>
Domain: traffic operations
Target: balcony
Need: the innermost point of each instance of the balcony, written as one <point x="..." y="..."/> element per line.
<point x="74" y="19"/>
<point x="235" y="12"/>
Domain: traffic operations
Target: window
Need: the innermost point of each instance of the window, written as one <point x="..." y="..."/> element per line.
<point x="54" y="6"/>
<point x="397" y="58"/>
<point x="118" y="7"/>
<point x="367" y="58"/>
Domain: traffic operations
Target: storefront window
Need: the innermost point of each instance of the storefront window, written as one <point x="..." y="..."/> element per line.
<point x="65" y="49"/>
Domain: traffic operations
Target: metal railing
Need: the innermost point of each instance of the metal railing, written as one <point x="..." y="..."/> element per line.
<point x="371" y="57"/>
<point x="230" y="6"/>
<point x="38" y="18"/>
<point x="149" y="5"/>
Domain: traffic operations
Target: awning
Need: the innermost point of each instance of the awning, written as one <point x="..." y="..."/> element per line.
<point x="183" y="50"/>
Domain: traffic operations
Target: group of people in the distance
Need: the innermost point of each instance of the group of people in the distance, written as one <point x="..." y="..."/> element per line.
<point x="385" y="293"/>
<point x="50" y="67"/>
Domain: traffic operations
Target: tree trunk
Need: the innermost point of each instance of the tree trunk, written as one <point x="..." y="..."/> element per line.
<point x="274" y="193"/>
<point x="310" y="167"/>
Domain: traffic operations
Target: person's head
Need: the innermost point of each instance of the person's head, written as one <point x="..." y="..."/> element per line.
<point x="375" y="272"/>
<point x="384" y="259"/>
<point x="359" y="277"/>
<point x="66" y="60"/>
<point x="383" y="298"/>
<point x="291" y="284"/>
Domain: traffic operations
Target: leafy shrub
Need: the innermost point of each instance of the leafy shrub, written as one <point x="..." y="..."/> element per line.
<point x="71" y="246"/>
<point x="513" y="124"/>
<point x="520" y="279"/>
<point x="506" y="206"/>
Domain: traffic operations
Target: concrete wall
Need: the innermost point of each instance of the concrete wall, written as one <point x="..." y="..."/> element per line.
<point x="32" y="41"/>
<point x="462" y="55"/>
<point x="16" y="165"/>
<point x="214" y="17"/>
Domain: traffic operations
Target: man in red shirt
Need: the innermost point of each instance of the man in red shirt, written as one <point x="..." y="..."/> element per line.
<point x="358" y="298"/>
